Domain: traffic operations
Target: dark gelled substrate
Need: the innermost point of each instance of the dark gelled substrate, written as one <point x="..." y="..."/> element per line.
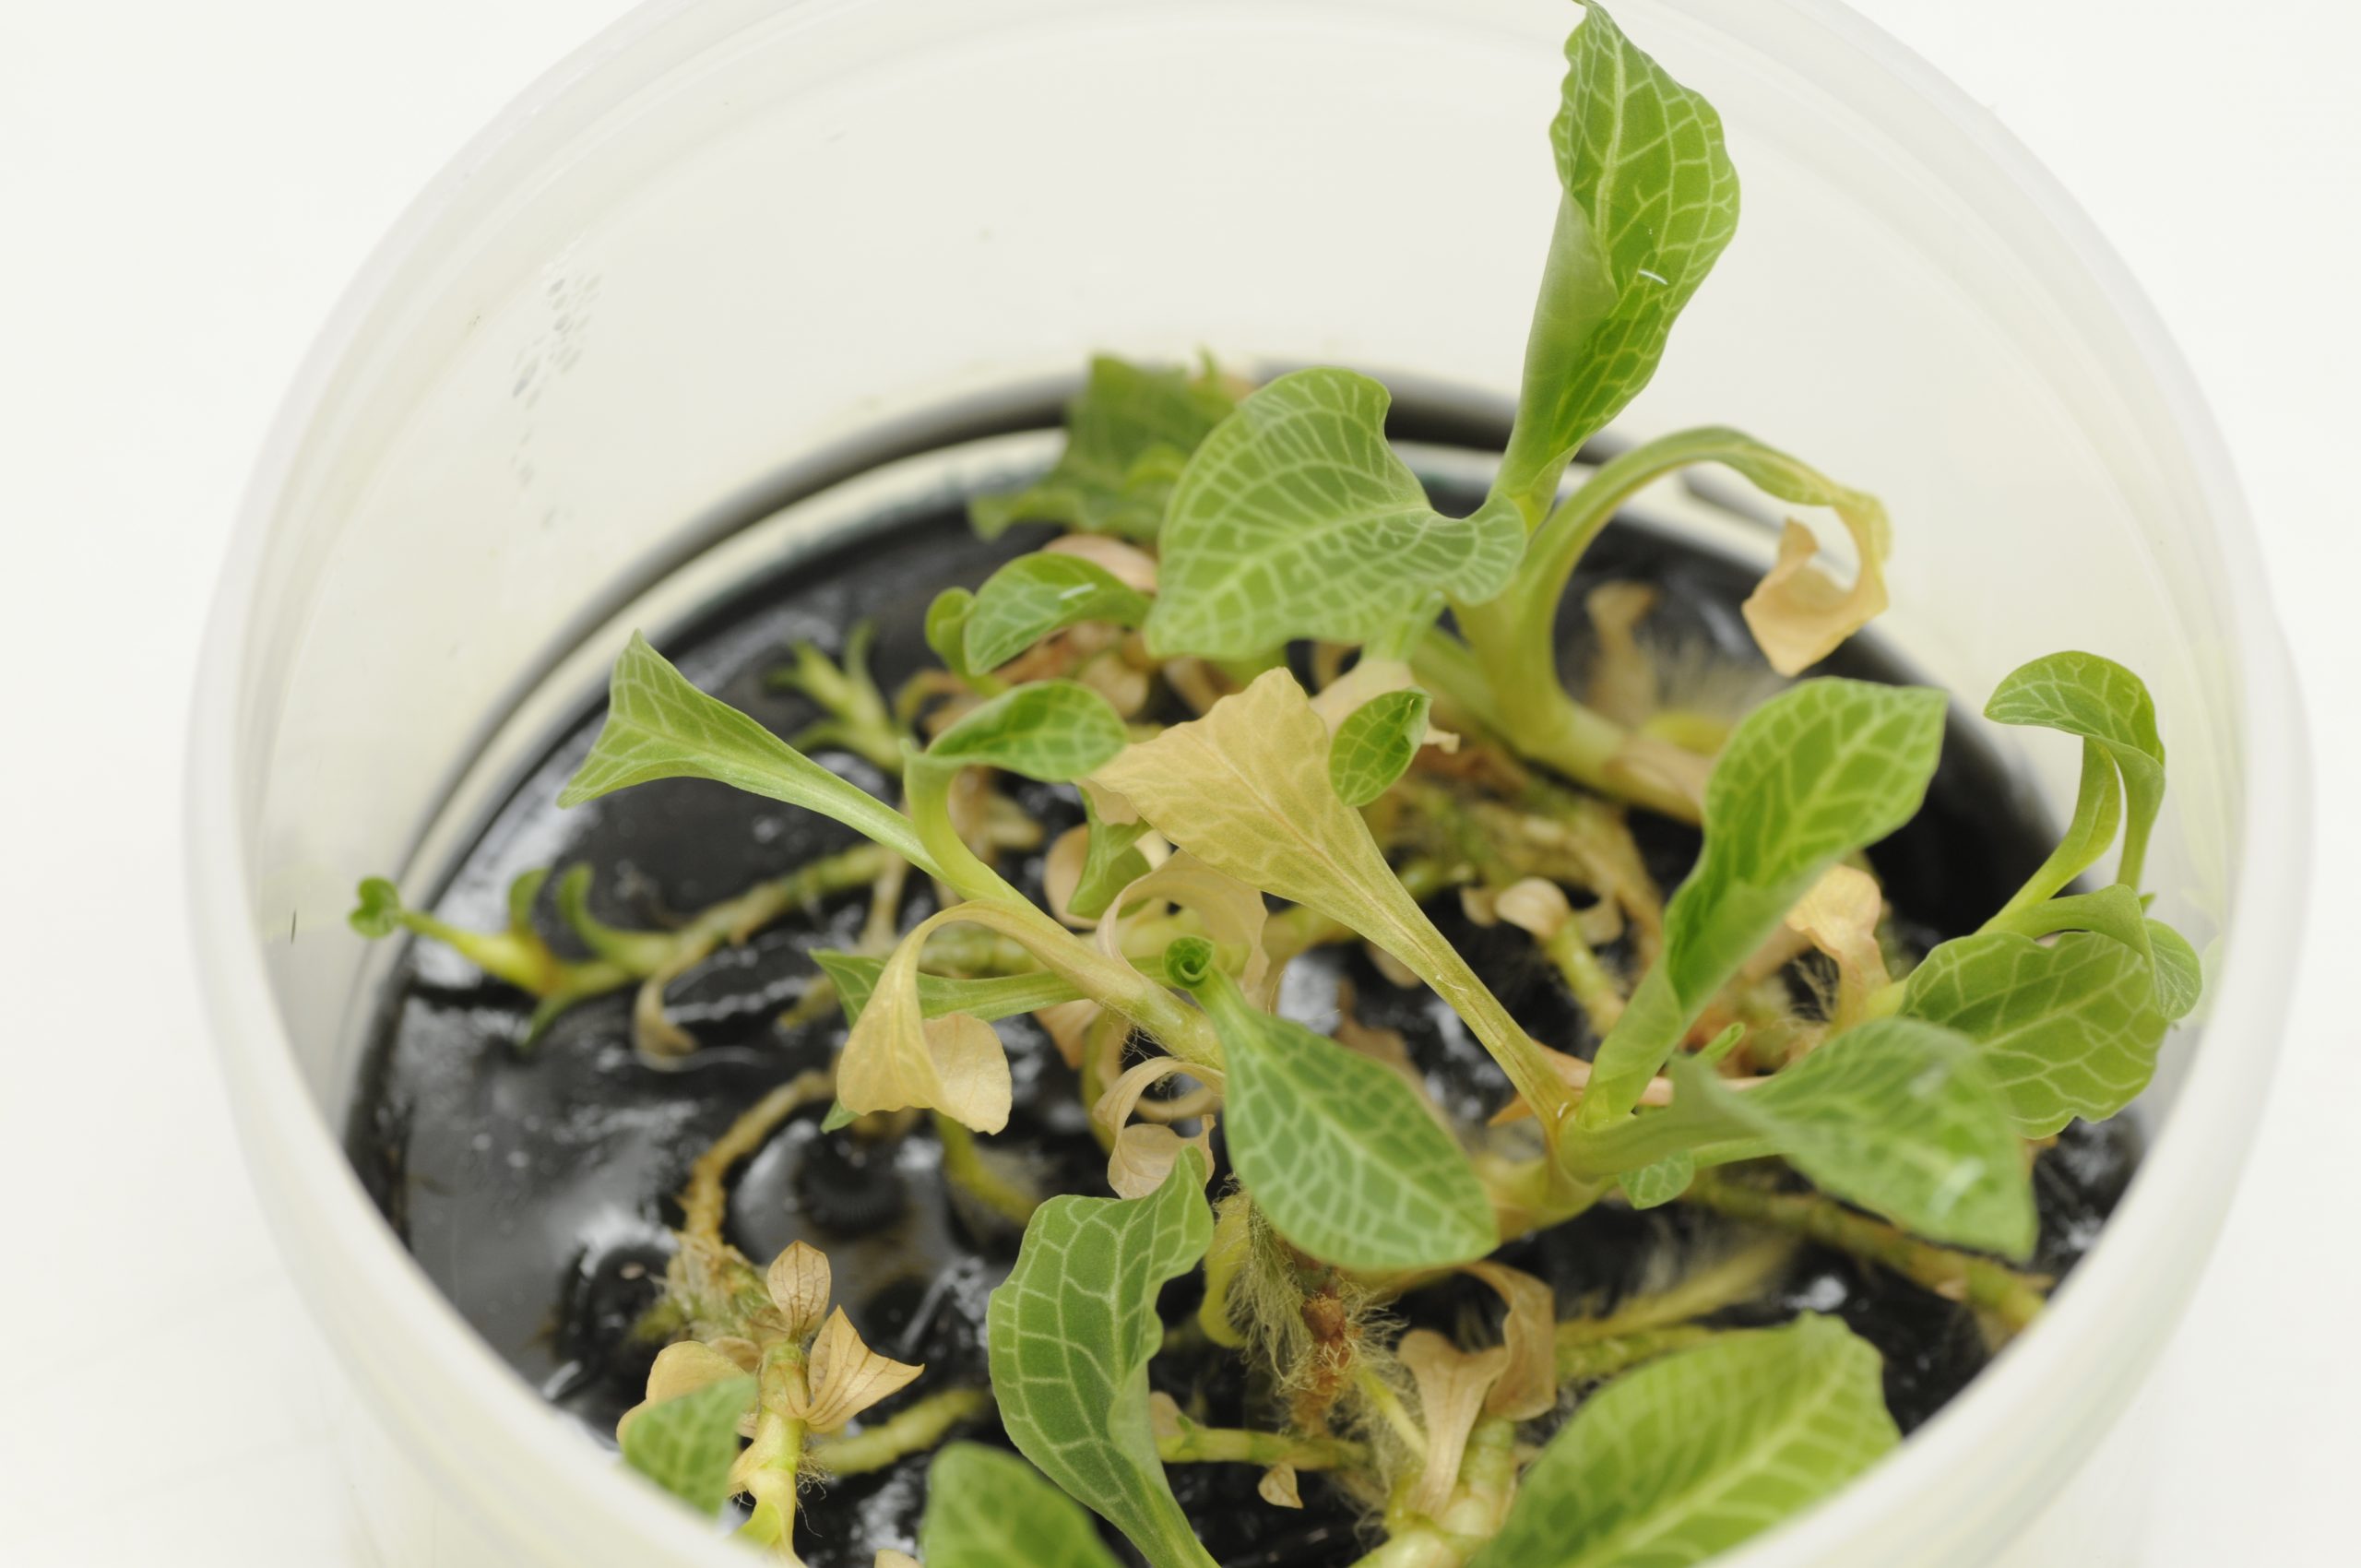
<point x="536" y="1190"/>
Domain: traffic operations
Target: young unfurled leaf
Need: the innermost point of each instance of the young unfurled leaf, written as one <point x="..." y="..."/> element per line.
<point x="1697" y="1451"/>
<point x="1036" y="595"/>
<point x="1649" y="200"/>
<point x="1335" y="1149"/>
<point x="1052" y="731"/>
<point x="1245" y="790"/>
<point x="1374" y="745"/>
<point x="2082" y="693"/>
<point x="1128" y="433"/>
<point x="658" y="726"/>
<point x="989" y="1509"/>
<point x="1071" y="1332"/>
<point x="896" y="1056"/>
<point x="1817" y="772"/>
<point x="1899" y="1116"/>
<point x="2068" y="1028"/>
<point x="1297" y="520"/>
<point x="2098" y="812"/>
<point x="687" y="1444"/>
<point x="1230" y="913"/>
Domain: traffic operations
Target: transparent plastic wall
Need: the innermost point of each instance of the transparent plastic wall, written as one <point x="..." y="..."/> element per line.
<point x="733" y="244"/>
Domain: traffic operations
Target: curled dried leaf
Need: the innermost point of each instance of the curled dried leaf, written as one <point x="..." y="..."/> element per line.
<point x="845" y="1377"/>
<point x="1452" y="1386"/>
<point x="1278" y="1487"/>
<point x="1622" y="677"/>
<point x="1068" y="1023"/>
<point x="1528" y="1385"/>
<point x="1140" y="1157"/>
<point x="800" y="1283"/>
<point x="1062" y="873"/>
<point x="1537" y="907"/>
<point x="1839" y="916"/>
<point x="888" y="1558"/>
<point x="1127" y="564"/>
<point x="1798" y="614"/>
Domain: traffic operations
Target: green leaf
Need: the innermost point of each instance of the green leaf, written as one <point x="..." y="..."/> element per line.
<point x="1649" y="200"/>
<point x="989" y="1509"/>
<point x="1034" y="594"/>
<point x="1127" y="435"/>
<point x="1700" y="1450"/>
<point x="1297" y="520"/>
<point x="1245" y="790"/>
<point x="2180" y="979"/>
<point x="1112" y="860"/>
<point x="686" y="1445"/>
<point x="989" y="999"/>
<point x="1656" y="1185"/>
<point x="658" y="726"/>
<point x="1374" y="745"/>
<point x="2082" y="693"/>
<point x="1335" y="1149"/>
<point x="377" y="910"/>
<point x="1899" y="1116"/>
<point x="1070" y="1335"/>
<point x="1817" y="772"/>
<point x="1052" y="731"/>
<point x="2067" y="1028"/>
<point x="947" y="629"/>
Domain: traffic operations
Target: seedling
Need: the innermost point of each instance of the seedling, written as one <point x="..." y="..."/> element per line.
<point x="1220" y="541"/>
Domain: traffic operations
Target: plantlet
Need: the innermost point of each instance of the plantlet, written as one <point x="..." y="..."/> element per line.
<point x="1288" y="702"/>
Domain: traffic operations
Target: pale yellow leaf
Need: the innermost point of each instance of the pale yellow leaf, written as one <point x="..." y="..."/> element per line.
<point x="1278" y="1487"/>
<point x="845" y="1377"/>
<point x="888" y="1558"/>
<point x="1164" y="1417"/>
<point x="1452" y="1385"/>
<point x="895" y="1056"/>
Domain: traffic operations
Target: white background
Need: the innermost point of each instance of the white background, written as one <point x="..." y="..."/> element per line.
<point x="185" y="189"/>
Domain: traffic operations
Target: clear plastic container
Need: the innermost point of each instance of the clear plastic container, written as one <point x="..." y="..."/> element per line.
<point x="732" y="247"/>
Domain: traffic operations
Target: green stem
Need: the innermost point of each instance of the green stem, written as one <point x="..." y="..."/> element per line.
<point x="766" y="1469"/>
<point x="1587" y="1359"/>
<point x="913" y="1430"/>
<point x="965" y="1167"/>
<point x="1234" y="1445"/>
<point x="2012" y="1299"/>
